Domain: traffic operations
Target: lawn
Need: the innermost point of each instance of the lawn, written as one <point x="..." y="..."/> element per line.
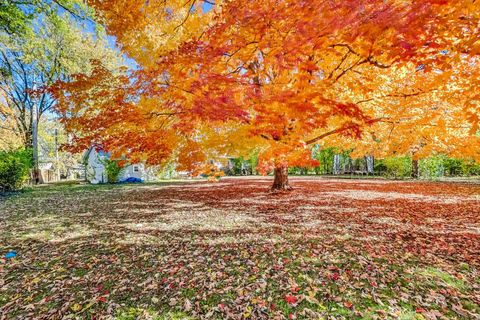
<point x="330" y="249"/>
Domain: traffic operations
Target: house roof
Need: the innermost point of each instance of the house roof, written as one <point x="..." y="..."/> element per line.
<point x="46" y="166"/>
<point x="86" y="155"/>
<point x="100" y="152"/>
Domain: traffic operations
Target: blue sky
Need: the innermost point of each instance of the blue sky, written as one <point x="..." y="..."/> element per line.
<point x="207" y="7"/>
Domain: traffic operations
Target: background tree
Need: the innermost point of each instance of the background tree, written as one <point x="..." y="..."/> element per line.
<point x="51" y="47"/>
<point x="9" y="137"/>
<point x="16" y="16"/>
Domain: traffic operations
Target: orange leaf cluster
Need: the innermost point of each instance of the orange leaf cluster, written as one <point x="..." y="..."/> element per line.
<point x="385" y="77"/>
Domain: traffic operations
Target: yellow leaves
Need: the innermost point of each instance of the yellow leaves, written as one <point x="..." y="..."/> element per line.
<point x="248" y="312"/>
<point x="191" y="158"/>
<point x="76" y="307"/>
<point x="310" y="297"/>
<point x="147" y="31"/>
<point x="9" y="136"/>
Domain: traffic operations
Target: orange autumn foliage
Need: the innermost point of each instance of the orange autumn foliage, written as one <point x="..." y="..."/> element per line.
<point x="386" y="77"/>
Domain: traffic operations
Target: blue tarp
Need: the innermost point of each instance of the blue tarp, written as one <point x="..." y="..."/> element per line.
<point x="131" y="180"/>
<point x="10" y="255"/>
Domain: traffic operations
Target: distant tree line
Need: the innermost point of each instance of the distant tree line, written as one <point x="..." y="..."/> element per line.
<point x="392" y="167"/>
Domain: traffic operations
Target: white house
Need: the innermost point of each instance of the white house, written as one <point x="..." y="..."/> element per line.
<point x="95" y="172"/>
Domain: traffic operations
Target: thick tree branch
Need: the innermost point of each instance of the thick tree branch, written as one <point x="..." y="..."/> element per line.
<point x="369" y="58"/>
<point x="341" y="129"/>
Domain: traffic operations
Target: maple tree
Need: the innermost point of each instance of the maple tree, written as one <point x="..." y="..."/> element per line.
<point x="279" y="76"/>
<point x="435" y="116"/>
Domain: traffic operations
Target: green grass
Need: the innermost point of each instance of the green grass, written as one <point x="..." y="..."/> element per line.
<point x="138" y="313"/>
<point x="441" y="278"/>
<point x="84" y="230"/>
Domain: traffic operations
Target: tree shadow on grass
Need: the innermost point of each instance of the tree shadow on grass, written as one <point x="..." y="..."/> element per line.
<point x="231" y="251"/>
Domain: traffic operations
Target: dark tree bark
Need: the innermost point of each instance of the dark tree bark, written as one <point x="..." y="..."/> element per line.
<point x="414" y="168"/>
<point x="28" y="140"/>
<point x="280" y="181"/>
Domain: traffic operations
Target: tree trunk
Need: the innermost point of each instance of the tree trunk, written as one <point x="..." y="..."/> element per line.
<point x="415" y="168"/>
<point x="29" y="143"/>
<point x="337" y="164"/>
<point x="57" y="159"/>
<point x="36" y="171"/>
<point x="370" y="164"/>
<point x="280" y="181"/>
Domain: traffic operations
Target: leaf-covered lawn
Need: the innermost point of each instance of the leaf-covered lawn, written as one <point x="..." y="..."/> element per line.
<point x="332" y="249"/>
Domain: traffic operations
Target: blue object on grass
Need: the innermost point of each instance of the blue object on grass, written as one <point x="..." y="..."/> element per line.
<point x="131" y="180"/>
<point x="10" y="255"/>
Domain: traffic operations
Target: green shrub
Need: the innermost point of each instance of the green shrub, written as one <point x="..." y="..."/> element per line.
<point x="398" y="167"/>
<point x="244" y="165"/>
<point x="326" y="159"/>
<point x="298" y="170"/>
<point x="14" y="169"/>
<point x="438" y="166"/>
<point x="114" y="169"/>
<point x="453" y="167"/>
<point x="241" y="166"/>
<point x="432" y="167"/>
<point x="253" y="160"/>
<point x="470" y="168"/>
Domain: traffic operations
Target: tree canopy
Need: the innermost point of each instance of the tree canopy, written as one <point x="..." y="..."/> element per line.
<point x="388" y="77"/>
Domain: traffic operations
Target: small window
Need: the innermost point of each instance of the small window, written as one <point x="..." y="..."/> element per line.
<point x="135" y="169"/>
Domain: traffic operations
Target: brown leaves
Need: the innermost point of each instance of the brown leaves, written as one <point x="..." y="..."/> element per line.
<point x="229" y="250"/>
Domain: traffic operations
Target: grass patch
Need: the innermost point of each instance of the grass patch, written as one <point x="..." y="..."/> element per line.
<point x="442" y="278"/>
<point x="140" y="247"/>
<point x="138" y="314"/>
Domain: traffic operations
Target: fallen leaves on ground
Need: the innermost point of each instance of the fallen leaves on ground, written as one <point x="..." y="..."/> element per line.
<point x="340" y="249"/>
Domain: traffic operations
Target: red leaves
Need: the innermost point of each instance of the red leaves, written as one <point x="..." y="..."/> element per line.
<point x="290" y="299"/>
<point x="277" y="267"/>
<point x="328" y="242"/>
<point x="333" y="276"/>
<point x="295" y="289"/>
